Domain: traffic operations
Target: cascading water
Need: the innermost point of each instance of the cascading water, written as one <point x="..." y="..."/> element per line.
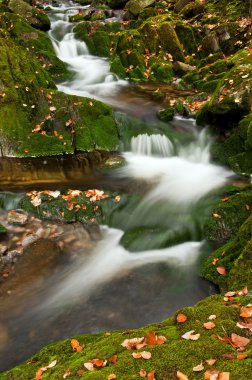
<point x="99" y="290"/>
<point x="91" y="75"/>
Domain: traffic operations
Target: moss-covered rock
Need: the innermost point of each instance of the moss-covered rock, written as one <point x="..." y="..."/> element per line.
<point x="232" y="98"/>
<point x="3" y="230"/>
<point x="228" y="216"/>
<point x="176" y="354"/>
<point x="33" y="16"/>
<point x="235" y="256"/>
<point x="70" y="206"/>
<point x="136" y="6"/>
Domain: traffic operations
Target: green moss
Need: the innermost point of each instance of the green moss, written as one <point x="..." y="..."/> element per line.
<point x="231" y="213"/>
<point x="235" y="256"/>
<point x="167" y="114"/>
<point x="186" y="37"/>
<point x="176" y="354"/>
<point x="3" y="230"/>
<point x="229" y="9"/>
<point x="117" y="67"/>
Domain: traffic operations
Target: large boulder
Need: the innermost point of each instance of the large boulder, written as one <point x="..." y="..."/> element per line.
<point x="136" y="6"/>
<point x="34" y="17"/>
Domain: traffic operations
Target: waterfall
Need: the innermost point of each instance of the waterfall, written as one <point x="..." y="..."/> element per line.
<point x="91" y="75"/>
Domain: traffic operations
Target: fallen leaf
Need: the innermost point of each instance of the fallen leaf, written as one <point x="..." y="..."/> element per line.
<point x="98" y="362"/>
<point x="198" y="367"/>
<point x="221" y="270"/>
<point x="142" y="373"/>
<point x="217" y="216"/>
<point x="113" y="359"/>
<point x="246" y="312"/>
<point x="89" y="366"/>
<point x="212" y="317"/>
<point x="228" y="356"/>
<point x="181" y="376"/>
<point x="151" y="338"/>
<point x="112" y="376"/>
<point x="161" y="339"/>
<point x="241" y="356"/>
<point x="76" y="345"/>
<point x="211" y="361"/>
<point x="189" y="335"/>
<point x="151" y="375"/>
<point x="230" y="294"/>
<point x="133" y="343"/>
<point x="67" y="374"/>
<point x="136" y="355"/>
<point x="240" y="341"/>
<point x="209" y="325"/>
<point x="181" y="318"/>
<point x="146" y="355"/>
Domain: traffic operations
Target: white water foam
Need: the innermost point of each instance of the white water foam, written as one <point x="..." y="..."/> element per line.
<point x="91" y="75"/>
<point x="184" y="178"/>
<point x="109" y="260"/>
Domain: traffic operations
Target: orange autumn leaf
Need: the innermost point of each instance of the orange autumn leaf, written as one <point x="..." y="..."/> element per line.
<point x="112" y="376"/>
<point x="133" y="343"/>
<point x="247" y="206"/>
<point x="221" y="270"/>
<point x="113" y="359"/>
<point x="80" y="371"/>
<point x="246" y="312"/>
<point x="161" y="339"/>
<point x="209" y="325"/>
<point x="76" y="345"/>
<point x="151" y="375"/>
<point x="151" y="338"/>
<point x="98" y="362"/>
<point x="181" y="318"/>
<point x="181" y="376"/>
<point x="241" y="356"/>
<point x="239" y="341"/>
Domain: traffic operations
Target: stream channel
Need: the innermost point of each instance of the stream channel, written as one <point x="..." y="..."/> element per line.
<point x="102" y="286"/>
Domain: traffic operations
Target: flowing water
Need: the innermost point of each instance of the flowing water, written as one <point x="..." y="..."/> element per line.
<point x="121" y="282"/>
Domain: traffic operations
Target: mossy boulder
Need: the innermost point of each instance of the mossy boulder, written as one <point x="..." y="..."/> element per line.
<point x="70" y="206"/>
<point x="136" y="6"/>
<point x="236" y="150"/>
<point x="35" y="18"/>
<point x="232" y="98"/>
<point x="236" y="257"/>
<point x="36" y="43"/>
<point x="176" y="354"/>
<point x="115" y="4"/>
<point x="228" y="215"/>
<point x="229" y="9"/>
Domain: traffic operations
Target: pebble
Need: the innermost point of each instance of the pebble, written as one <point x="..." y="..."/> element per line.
<point x="17" y="217"/>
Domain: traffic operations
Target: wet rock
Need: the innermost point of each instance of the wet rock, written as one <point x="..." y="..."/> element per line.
<point x="38" y="257"/>
<point x="29" y="239"/>
<point x="182" y="68"/>
<point x="17" y="217"/>
<point x="3" y="249"/>
<point x="180" y="4"/>
<point x="210" y="43"/>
